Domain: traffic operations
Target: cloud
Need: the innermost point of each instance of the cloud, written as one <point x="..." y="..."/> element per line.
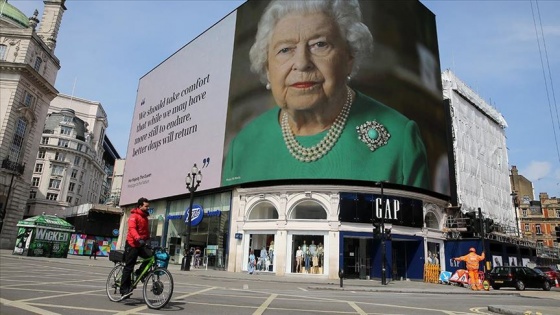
<point x="537" y="170"/>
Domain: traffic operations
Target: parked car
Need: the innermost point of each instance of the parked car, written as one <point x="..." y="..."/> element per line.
<point x="551" y="272"/>
<point x="518" y="277"/>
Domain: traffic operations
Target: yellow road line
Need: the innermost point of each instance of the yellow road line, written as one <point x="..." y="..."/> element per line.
<point x="266" y="303"/>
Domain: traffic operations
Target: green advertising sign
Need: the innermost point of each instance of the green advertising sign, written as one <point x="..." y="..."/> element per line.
<point x="43" y="235"/>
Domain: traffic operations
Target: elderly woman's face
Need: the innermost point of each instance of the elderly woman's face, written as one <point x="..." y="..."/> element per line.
<point x="308" y="62"/>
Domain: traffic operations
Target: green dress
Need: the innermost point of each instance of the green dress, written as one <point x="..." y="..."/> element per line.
<point x="259" y="152"/>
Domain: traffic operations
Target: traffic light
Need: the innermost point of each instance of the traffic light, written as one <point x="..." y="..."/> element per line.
<point x="387" y="233"/>
<point x="489" y="225"/>
<point x="557" y="229"/>
<point x="473" y="225"/>
<point x="376" y="229"/>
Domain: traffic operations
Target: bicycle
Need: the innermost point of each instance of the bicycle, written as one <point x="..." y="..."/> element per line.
<point x="157" y="280"/>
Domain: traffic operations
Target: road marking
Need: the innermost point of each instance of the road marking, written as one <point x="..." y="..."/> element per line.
<point x="144" y="307"/>
<point x="302" y="289"/>
<point x="357" y="308"/>
<point x="23" y="306"/>
<point x="266" y="303"/>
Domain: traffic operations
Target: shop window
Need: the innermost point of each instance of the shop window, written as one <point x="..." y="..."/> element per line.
<point x="431" y="221"/>
<point x="263" y="249"/>
<point x="308" y="210"/>
<point x="263" y="211"/>
<point x="308" y="254"/>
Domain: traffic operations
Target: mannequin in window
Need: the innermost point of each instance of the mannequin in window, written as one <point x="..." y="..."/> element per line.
<point x="313" y="255"/>
<point x="320" y="254"/>
<point x="271" y="252"/>
<point x="299" y="258"/>
<point x="306" y="256"/>
<point x="262" y="259"/>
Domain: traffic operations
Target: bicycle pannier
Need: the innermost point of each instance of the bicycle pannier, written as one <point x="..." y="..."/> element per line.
<point x="116" y="256"/>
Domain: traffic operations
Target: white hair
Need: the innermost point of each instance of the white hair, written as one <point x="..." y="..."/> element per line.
<point x="346" y="14"/>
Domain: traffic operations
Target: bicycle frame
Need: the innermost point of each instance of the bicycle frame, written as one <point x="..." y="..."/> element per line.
<point x="151" y="262"/>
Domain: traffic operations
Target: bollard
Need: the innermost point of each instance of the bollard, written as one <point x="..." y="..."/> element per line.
<point x="341" y="276"/>
<point x="184" y="264"/>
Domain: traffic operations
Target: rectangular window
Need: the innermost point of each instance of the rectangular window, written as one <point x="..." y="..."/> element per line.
<point x="63" y="143"/>
<point x="65" y="130"/>
<point x="69" y="199"/>
<point x="38" y="63"/>
<point x="80" y="189"/>
<point x="57" y="170"/>
<point x="32" y="194"/>
<point x="79" y="147"/>
<point x="28" y="99"/>
<point x="35" y="182"/>
<point x="54" y="183"/>
<point x="71" y="186"/>
<point x="17" y="142"/>
<point x="38" y="168"/>
<point x="51" y="196"/>
<point x="74" y="173"/>
<point x="524" y="212"/>
<point x="59" y="156"/>
<point x="3" y="49"/>
<point x="81" y="176"/>
<point x="41" y="154"/>
<point x="76" y="160"/>
<point x="45" y="140"/>
<point x="77" y="202"/>
<point x="527" y="228"/>
<point x="558" y="213"/>
<point x="538" y="229"/>
<point x="67" y="119"/>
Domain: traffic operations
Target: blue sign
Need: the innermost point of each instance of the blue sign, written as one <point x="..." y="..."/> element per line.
<point x="174" y="216"/>
<point x="116" y="232"/>
<point x="197" y="214"/>
<point x="150" y="211"/>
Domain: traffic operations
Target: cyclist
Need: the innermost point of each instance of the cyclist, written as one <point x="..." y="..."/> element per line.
<point x="138" y="234"/>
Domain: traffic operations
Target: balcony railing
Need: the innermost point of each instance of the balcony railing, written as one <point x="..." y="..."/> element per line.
<point x="13" y="166"/>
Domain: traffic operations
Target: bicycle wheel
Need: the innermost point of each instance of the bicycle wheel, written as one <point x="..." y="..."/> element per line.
<point x="158" y="288"/>
<point x="113" y="285"/>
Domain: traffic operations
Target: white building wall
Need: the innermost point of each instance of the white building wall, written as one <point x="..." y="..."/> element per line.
<point x="480" y="152"/>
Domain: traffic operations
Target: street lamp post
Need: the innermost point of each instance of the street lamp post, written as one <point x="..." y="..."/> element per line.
<point x="515" y="207"/>
<point x="192" y="182"/>
<point x="383" y="235"/>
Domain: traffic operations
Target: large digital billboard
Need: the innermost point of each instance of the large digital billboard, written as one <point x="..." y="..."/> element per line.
<point x="318" y="104"/>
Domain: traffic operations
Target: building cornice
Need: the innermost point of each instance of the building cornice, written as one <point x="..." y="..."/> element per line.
<point x="30" y="74"/>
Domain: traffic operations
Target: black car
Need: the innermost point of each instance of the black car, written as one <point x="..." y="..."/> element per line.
<point x="519" y="278"/>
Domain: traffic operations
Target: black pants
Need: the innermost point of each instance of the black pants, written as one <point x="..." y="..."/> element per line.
<point x="93" y="253"/>
<point x="130" y="256"/>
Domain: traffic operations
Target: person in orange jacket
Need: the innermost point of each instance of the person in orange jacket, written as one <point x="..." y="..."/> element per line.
<point x="472" y="260"/>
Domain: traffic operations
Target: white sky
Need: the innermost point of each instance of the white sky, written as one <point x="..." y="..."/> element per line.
<point x="106" y="46"/>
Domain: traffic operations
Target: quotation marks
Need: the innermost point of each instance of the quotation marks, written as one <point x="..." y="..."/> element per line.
<point x="143" y="101"/>
<point x="205" y="162"/>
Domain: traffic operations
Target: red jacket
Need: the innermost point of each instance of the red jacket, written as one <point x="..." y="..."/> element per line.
<point x="138" y="227"/>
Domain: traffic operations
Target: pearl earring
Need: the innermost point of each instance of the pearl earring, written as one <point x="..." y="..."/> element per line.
<point x="268" y="86"/>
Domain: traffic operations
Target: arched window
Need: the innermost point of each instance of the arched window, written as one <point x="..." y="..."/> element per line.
<point x="431" y="221"/>
<point x="309" y="210"/>
<point x="263" y="211"/>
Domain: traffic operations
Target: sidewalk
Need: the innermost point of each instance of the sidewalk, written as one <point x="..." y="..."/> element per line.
<point x="320" y="282"/>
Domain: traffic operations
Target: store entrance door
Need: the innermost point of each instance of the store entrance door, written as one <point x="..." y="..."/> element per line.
<point x="357" y="257"/>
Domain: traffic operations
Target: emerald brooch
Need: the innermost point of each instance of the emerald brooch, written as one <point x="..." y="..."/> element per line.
<point x="373" y="134"/>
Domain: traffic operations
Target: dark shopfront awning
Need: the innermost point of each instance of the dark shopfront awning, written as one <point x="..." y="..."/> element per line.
<point x="50" y="222"/>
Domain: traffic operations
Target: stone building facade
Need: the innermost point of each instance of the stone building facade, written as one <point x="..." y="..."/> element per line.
<point x="29" y="68"/>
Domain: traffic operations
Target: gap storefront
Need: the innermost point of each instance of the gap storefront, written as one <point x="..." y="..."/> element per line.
<point x="333" y="225"/>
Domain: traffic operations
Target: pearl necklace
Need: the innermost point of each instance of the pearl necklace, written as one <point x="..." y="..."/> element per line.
<point x="319" y="150"/>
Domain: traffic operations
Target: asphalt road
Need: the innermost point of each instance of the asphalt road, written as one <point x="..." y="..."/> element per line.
<point x="30" y="285"/>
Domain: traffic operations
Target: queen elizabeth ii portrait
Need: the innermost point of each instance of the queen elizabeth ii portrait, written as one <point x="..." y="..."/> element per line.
<point x="306" y="55"/>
